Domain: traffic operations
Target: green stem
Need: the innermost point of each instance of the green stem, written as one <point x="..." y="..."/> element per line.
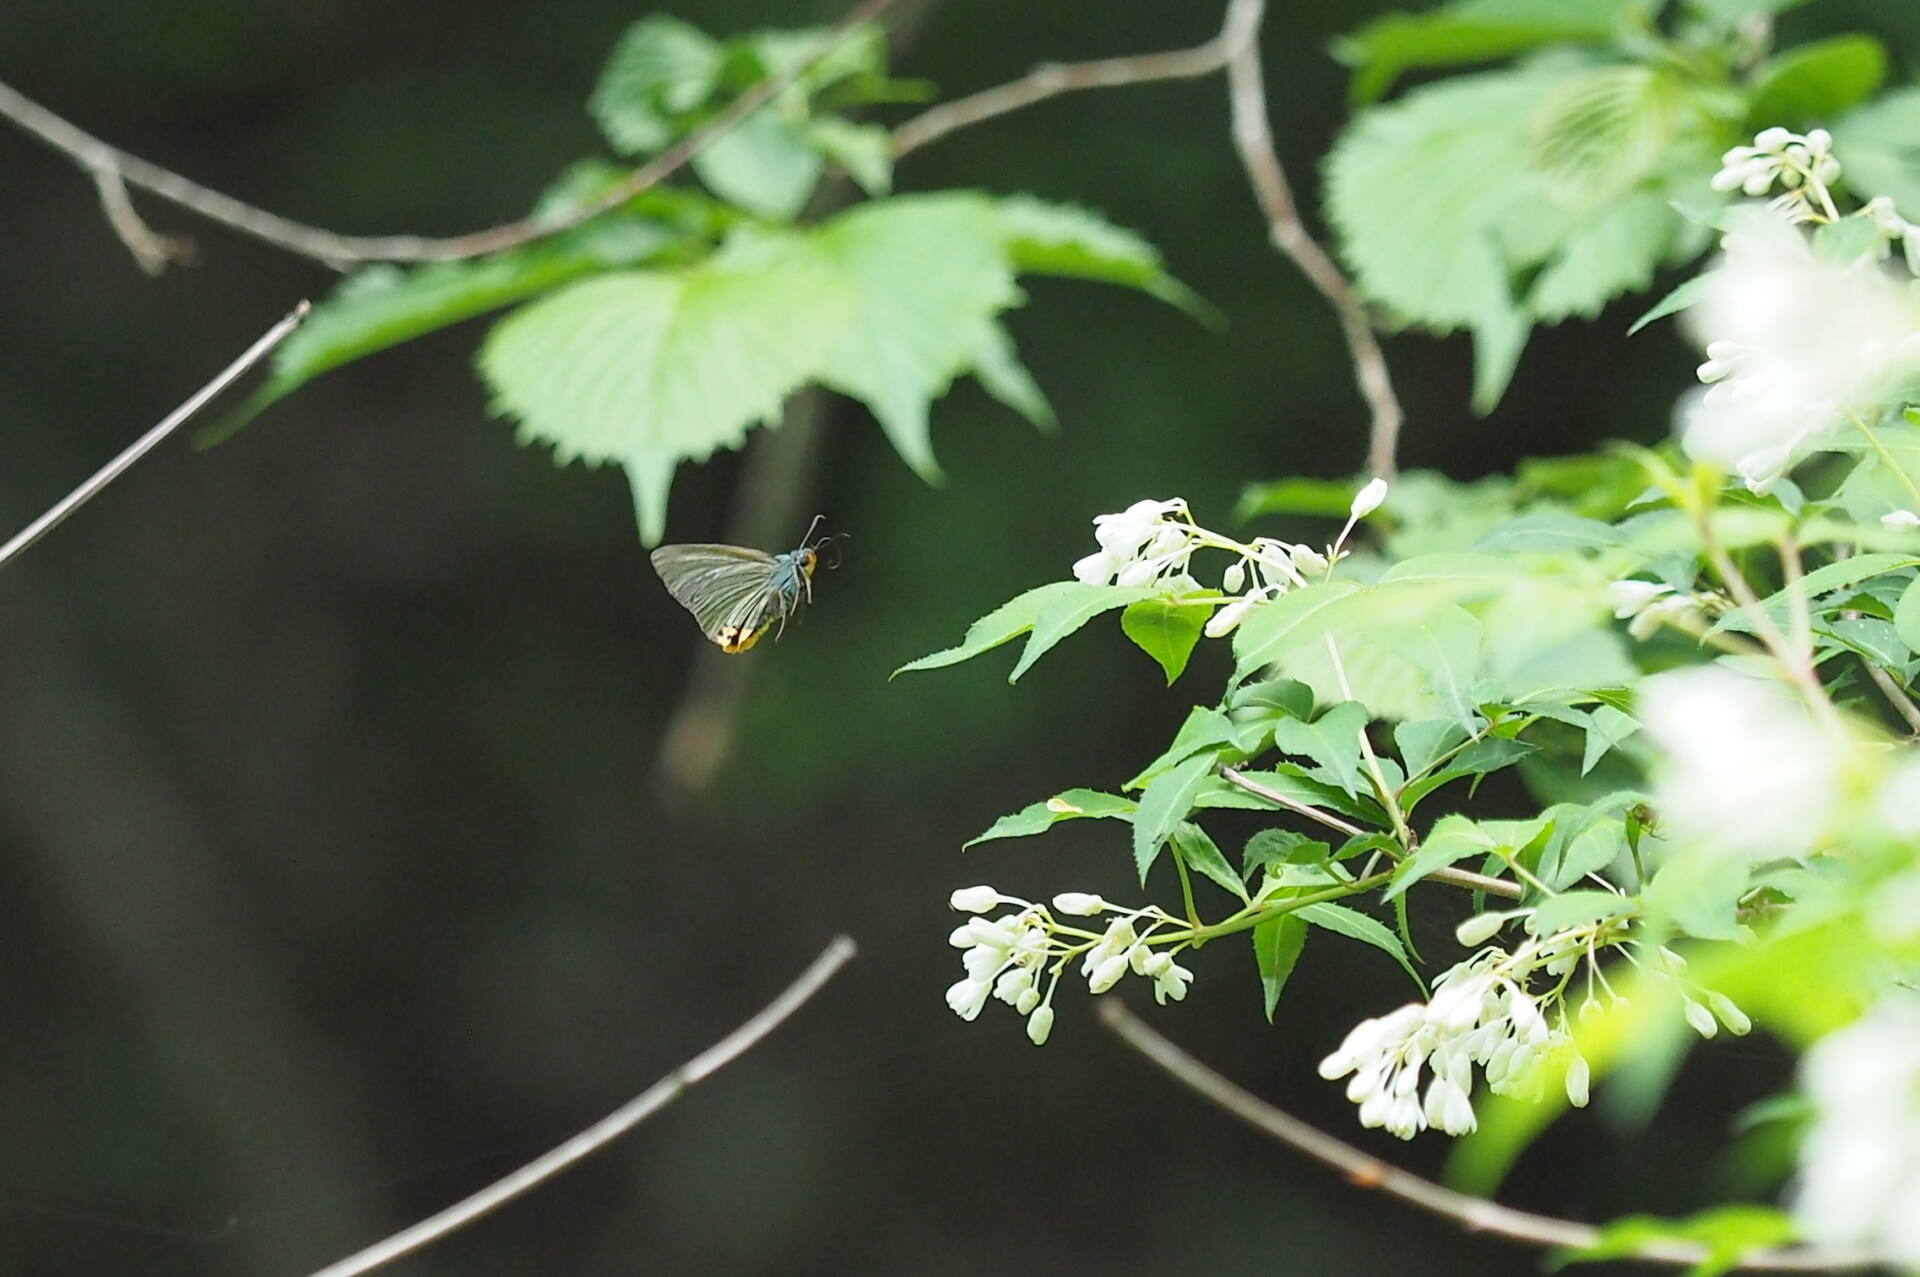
<point x="1186" y="888"/>
<point x="1254" y="914"/>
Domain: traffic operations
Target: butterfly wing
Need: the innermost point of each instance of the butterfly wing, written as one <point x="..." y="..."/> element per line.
<point x="731" y="590"/>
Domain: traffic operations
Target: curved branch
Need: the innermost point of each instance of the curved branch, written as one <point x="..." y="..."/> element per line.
<point x="342" y="251"/>
<point x="1253" y="137"/>
<point x="1475" y="1214"/>
<point x="607" y="1129"/>
<point x="1051" y="79"/>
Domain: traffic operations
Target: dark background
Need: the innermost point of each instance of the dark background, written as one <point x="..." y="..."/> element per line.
<point x="336" y="874"/>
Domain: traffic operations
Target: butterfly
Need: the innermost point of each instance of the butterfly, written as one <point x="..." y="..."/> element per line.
<point x="738" y="594"/>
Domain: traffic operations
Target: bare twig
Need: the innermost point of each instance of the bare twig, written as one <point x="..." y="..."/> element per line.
<point x="152" y="251"/>
<point x="1050" y="79"/>
<point x="1895" y="694"/>
<point x="1253" y="137"/>
<point x="1475" y="1214"/>
<point x="607" y="1129"/>
<point x="87" y="491"/>
<point x="1448" y="874"/>
<point x="342" y="251"/>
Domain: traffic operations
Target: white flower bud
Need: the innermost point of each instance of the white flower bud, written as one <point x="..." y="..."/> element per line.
<point x="1039" y="1025"/>
<point x="1027" y="1001"/>
<point x="1079" y="904"/>
<point x="1579" y="1081"/>
<point x="1477" y="930"/>
<point x="1227" y="619"/>
<point x="1701" y="1019"/>
<point x="1137" y="574"/>
<point x="1772" y="141"/>
<point x="973" y="899"/>
<point x="1308" y="560"/>
<point x="1368" y="499"/>
<point x="966" y="997"/>
<point x="1108" y="974"/>
<point x="1900" y="520"/>
<point x="1011" y="984"/>
<point x="1234" y="577"/>
<point x="1729" y="1014"/>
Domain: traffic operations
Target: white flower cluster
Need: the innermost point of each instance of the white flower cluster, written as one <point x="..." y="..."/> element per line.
<point x="1007" y="957"/>
<point x="1152" y="542"/>
<point x="1648" y="605"/>
<point x="1802" y="164"/>
<point x="1795" y="344"/>
<point x="1481" y="1013"/>
<point x="1859" y="1183"/>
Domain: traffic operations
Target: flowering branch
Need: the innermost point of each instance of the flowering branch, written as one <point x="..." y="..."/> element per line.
<point x="1253" y="137"/>
<point x="343" y="251"/>
<point x="1051" y="79"/>
<point x="1476" y="1214"/>
<point x="607" y="1129"/>
<point x="97" y="482"/>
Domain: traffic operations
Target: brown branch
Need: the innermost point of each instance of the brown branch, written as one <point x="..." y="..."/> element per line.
<point x="1051" y="79"/>
<point x="607" y="1129"/>
<point x="97" y="482"/>
<point x="342" y="251"/>
<point x="151" y="251"/>
<point x="1253" y="137"/>
<point x="1447" y="873"/>
<point x="1475" y="1214"/>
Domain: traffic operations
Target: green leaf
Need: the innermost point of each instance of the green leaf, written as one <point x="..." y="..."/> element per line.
<point x="1881" y="143"/>
<point x="1276" y="846"/>
<point x="1287" y="696"/>
<point x="1277" y="943"/>
<point x="649" y="368"/>
<point x="1423" y="742"/>
<point x="1332" y="741"/>
<point x="1610" y="727"/>
<point x="1681" y="298"/>
<point x="1576" y="908"/>
<point x="1062" y="239"/>
<point x="1906" y="617"/>
<point x="997" y="367"/>
<point x="1466" y="32"/>
<point x="1445" y="647"/>
<point x="1831" y="576"/>
<point x="661" y="68"/>
<point x="1291" y="782"/>
<point x="1327" y="498"/>
<point x="1849" y="240"/>
<point x="1358" y="926"/>
<point x="1548" y="533"/>
<point x="1051" y="612"/>
<point x="1202" y="855"/>
<point x="1729" y="1234"/>
<point x="1072" y="804"/>
<point x="1164" y="804"/>
<point x="930" y="275"/>
<point x="383" y="306"/>
<point x="1452" y="839"/>
<point x="865" y="151"/>
<point x="1618" y="252"/>
<point x="1478" y="759"/>
<point x="1203" y="728"/>
<point x="1814" y="83"/>
<point x="1602" y="130"/>
<point x="1165" y="630"/>
<point x="1273" y="629"/>
<point x="1698" y="894"/>
<point x="1578" y="850"/>
<point x="766" y="164"/>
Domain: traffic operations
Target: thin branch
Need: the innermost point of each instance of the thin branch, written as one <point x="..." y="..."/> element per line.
<point x="1475" y="1214"/>
<point x="1253" y="137"/>
<point x="1895" y="694"/>
<point x="1447" y="874"/>
<point x="1051" y="79"/>
<point x="87" y="491"/>
<point x="607" y="1129"/>
<point x="342" y="251"/>
<point x="152" y="251"/>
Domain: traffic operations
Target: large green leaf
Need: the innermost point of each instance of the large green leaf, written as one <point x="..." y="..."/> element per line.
<point x="1164" y="804"/>
<point x="767" y="164"/>
<point x="1602" y="130"/>
<point x="650" y="368"/>
<point x="1166" y="630"/>
<point x="930" y="273"/>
